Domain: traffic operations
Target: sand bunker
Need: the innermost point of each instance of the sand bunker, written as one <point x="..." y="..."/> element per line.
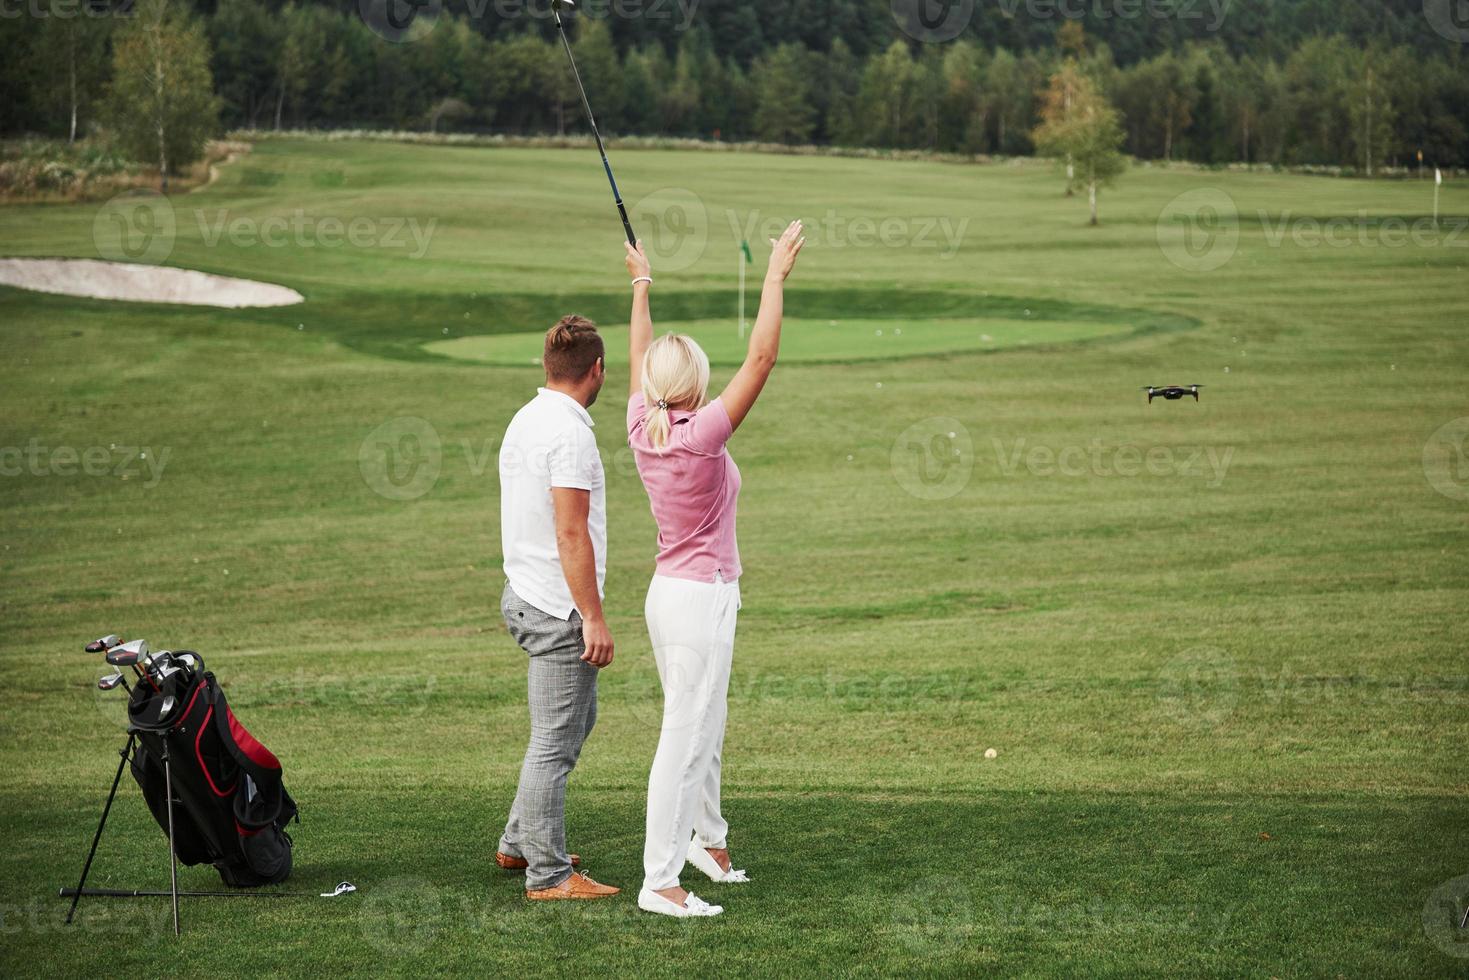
<point x="140" y="283"/>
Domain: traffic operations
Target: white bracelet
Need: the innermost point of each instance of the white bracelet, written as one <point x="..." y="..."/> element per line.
<point x="646" y="279"/>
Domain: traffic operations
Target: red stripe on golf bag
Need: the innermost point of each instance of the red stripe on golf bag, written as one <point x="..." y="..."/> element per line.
<point x="199" y="755"/>
<point x="248" y="744"/>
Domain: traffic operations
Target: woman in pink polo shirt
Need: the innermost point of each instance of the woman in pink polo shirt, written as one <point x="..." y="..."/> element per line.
<point x="678" y="437"/>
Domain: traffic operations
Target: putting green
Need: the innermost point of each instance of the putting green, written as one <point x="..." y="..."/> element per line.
<point x="811" y="340"/>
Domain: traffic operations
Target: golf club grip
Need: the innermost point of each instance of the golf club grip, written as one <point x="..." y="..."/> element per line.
<point x="627" y="225"/>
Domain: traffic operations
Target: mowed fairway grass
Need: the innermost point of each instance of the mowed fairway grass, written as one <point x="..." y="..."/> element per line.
<point x="1218" y="647"/>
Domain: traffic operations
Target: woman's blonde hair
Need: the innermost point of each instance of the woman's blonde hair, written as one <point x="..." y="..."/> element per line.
<point x="675" y="376"/>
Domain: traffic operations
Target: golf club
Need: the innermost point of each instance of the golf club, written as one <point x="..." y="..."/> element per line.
<point x="128" y="655"/>
<point x="616" y="194"/>
<point x="111" y="681"/>
<point x="345" y="888"/>
<point x="103" y="644"/>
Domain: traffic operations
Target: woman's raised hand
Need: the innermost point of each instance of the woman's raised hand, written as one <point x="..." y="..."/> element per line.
<point x="637" y="261"/>
<point x="783" y="252"/>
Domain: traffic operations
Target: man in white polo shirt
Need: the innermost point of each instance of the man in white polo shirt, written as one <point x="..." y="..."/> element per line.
<point x="553" y="523"/>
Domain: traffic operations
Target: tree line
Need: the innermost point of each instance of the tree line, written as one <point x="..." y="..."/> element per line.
<point x="803" y="71"/>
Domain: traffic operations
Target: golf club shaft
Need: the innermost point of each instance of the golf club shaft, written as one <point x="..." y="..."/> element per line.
<point x="632" y="239"/>
<point x="139" y="893"/>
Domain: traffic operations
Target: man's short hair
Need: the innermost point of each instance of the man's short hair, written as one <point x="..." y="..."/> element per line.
<point x="572" y="349"/>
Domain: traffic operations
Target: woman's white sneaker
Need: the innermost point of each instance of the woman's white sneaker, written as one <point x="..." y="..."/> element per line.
<point x="693" y="906"/>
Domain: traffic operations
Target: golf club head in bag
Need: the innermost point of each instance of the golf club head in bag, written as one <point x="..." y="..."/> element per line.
<point x="231" y="805"/>
<point x="128" y="654"/>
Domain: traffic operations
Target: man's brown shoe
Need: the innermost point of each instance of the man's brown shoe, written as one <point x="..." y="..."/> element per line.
<point x="520" y="864"/>
<point x="578" y="886"/>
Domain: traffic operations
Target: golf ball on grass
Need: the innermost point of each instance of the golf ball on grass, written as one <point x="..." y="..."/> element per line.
<point x="991" y="754"/>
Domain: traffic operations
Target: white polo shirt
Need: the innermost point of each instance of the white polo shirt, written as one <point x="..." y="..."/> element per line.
<point x="549" y="444"/>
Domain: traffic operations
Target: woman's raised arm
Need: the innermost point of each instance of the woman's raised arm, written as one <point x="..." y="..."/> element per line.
<point x="739" y="397"/>
<point x="640" y="333"/>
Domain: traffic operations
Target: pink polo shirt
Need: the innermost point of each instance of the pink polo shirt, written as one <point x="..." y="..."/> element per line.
<point x="693" y="486"/>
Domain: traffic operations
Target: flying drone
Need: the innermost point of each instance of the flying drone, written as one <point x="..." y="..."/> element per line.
<point x="1171" y="392"/>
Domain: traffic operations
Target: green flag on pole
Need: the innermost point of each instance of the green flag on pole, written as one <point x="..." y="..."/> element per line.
<point x="749" y="260"/>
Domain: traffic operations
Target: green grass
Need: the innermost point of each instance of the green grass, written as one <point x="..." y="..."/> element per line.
<point x="820" y="341"/>
<point x="1219" y="647"/>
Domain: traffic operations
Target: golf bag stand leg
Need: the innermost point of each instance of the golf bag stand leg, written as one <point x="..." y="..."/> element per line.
<point x="126" y="753"/>
<point x="173" y="857"/>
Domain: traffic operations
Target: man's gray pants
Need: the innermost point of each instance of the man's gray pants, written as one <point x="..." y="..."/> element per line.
<point x="562" y="691"/>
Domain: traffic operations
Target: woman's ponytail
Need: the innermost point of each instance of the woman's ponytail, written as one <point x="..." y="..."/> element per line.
<point x="675" y="375"/>
<point x="659" y="425"/>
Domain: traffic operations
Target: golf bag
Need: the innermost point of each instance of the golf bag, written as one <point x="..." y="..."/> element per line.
<point x="231" y="807"/>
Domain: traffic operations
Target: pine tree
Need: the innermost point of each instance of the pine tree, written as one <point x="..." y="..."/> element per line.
<point x="785" y="113"/>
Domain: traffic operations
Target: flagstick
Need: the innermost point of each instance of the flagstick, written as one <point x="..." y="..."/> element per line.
<point x="1437" y="180"/>
<point x="741" y="261"/>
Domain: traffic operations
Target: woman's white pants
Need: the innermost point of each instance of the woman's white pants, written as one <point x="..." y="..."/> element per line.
<point x="692" y="626"/>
